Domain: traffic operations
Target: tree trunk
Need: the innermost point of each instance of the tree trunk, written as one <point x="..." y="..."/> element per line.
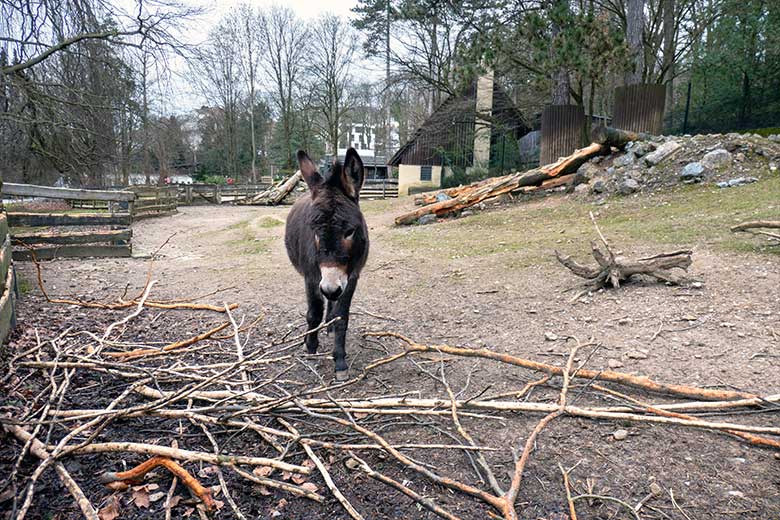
<point x="635" y="22"/>
<point x="668" y="58"/>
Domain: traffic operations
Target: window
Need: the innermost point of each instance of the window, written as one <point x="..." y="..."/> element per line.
<point x="426" y="173"/>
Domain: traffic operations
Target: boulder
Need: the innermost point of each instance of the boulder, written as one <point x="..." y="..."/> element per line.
<point x="426" y="219"/>
<point x="692" y="172"/>
<point x="588" y="170"/>
<point x="626" y="159"/>
<point x="716" y="159"/>
<point x="661" y="153"/>
<point x="598" y="187"/>
<point x="628" y="186"/>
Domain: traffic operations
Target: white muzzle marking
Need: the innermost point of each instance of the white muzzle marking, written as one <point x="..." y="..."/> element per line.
<point x="334" y="281"/>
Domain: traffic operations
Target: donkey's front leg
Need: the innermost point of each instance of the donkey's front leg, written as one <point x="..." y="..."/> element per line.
<point x="313" y="314"/>
<point x="342" y="311"/>
<point x="329" y="315"/>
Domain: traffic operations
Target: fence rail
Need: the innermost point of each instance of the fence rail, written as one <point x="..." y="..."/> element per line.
<point x="154" y="201"/>
<point x="379" y="189"/>
<point x="7" y="282"/>
<point x="115" y="211"/>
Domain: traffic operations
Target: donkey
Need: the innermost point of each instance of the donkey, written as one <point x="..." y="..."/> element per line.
<point x="327" y="242"/>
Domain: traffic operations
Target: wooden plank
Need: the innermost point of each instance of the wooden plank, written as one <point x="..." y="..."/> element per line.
<point x="155" y="207"/>
<point x="31" y="190"/>
<point x="73" y="237"/>
<point x="68" y="219"/>
<point x="5" y="259"/>
<point x="80" y="251"/>
<point x="3" y="226"/>
<point x="7" y="305"/>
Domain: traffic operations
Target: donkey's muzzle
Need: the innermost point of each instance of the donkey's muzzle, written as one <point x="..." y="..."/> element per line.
<point x="334" y="281"/>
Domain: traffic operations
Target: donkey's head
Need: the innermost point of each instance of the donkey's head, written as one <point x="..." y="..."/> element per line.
<point x="340" y="237"/>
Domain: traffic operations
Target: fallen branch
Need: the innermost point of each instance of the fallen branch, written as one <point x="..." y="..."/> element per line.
<point x="750" y="227"/>
<point x="642" y="382"/>
<point x="136" y="474"/>
<point x="613" y="270"/>
<point x="38" y="449"/>
<point x="167" y="348"/>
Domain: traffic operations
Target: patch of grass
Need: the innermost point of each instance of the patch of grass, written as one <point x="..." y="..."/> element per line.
<point x="23" y="285"/>
<point x="251" y="246"/>
<point x="241" y="224"/>
<point x="699" y="215"/>
<point x="377" y="207"/>
<point x="268" y="221"/>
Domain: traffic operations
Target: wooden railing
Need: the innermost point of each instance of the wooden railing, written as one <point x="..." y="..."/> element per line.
<point x="191" y="194"/>
<point x="31" y="233"/>
<point x="379" y="189"/>
<point x="154" y="201"/>
<point x="7" y="282"/>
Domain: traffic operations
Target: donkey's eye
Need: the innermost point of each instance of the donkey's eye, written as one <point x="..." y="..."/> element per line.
<point x="350" y="233"/>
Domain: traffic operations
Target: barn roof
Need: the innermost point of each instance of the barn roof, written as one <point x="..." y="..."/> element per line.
<point x="449" y="131"/>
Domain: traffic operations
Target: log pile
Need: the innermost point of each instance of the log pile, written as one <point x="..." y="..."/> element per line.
<point x="544" y="177"/>
<point x="270" y="418"/>
<point x="275" y="194"/>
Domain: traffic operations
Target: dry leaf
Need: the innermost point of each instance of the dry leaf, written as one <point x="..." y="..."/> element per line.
<point x="207" y="471"/>
<point x="264" y="490"/>
<point x="111" y="510"/>
<point x="308" y="486"/>
<point x="286" y="475"/>
<point x="140" y="496"/>
<point x="216" y="490"/>
<point x="152" y="486"/>
<point x="154" y="497"/>
<point x="175" y="499"/>
<point x="219" y="503"/>
<point x="299" y="479"/>
<point x="188" y="512"/>
<point x="263" y="471"/>
<point x="308" y="463"/>
<point x="282" y="503"/>
<point x="360" y="415"/>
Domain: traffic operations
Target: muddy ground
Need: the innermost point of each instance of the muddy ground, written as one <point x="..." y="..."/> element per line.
<point x="489" y="280"/>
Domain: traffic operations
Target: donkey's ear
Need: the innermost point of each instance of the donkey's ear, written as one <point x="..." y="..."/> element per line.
<point x="308" y="170"/>
<point x="352" y="174"/>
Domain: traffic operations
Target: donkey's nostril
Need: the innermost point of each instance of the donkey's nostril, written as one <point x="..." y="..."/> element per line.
<point x="331" y="293"/>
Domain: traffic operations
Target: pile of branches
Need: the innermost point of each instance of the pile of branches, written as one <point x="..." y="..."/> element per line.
<point x="295" y="420"/>
<point x="559" y="173"/>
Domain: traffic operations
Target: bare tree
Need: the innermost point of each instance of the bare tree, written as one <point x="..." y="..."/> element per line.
<point x="218" y="71"/>
<point x="249" y="24"/>
<point x="284" y="38"/>
<point x="333" y="48"/>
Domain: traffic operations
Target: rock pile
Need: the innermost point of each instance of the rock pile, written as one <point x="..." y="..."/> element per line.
<point x="725" y="160"/>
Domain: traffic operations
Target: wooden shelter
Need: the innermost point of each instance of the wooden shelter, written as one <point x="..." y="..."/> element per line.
<point x="446" y="140"/>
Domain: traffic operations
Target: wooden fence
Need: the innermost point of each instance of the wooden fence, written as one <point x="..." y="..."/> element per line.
<point x="7" y="282"/>
<point x="191" y="194"/>
<point x="561" y="131"/>
<point x="379" y="189"/>
<point x="154" y="201"/>
<point x="114" y="239"/>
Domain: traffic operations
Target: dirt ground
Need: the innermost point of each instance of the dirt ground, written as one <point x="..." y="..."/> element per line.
<point x="489" y="280"/>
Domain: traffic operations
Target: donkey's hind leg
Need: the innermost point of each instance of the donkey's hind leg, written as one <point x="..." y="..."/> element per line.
<point x="313" y="314"/>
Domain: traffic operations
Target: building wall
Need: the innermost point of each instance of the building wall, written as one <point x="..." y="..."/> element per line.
<point x="409" y="177"/>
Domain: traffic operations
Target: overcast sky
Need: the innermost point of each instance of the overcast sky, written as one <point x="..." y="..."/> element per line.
<point x="183" y="96"/>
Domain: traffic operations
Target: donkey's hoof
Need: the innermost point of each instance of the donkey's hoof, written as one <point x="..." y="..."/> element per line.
<point x="342" y="375"/>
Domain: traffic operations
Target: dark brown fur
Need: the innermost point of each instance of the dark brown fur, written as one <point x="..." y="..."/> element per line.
<point x="325" y="228"/>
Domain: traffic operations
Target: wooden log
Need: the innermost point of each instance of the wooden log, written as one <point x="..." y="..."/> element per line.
<point x="74" y="237"/>
<point x="31" y="190"/>
<point x="68" y="219"/>
<point x="75" y="251"/>
<point x="616" y="137"/>
<point x="500" y="185"/>
<point x="756" y="226"/>
<point x="276" y="194"/>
